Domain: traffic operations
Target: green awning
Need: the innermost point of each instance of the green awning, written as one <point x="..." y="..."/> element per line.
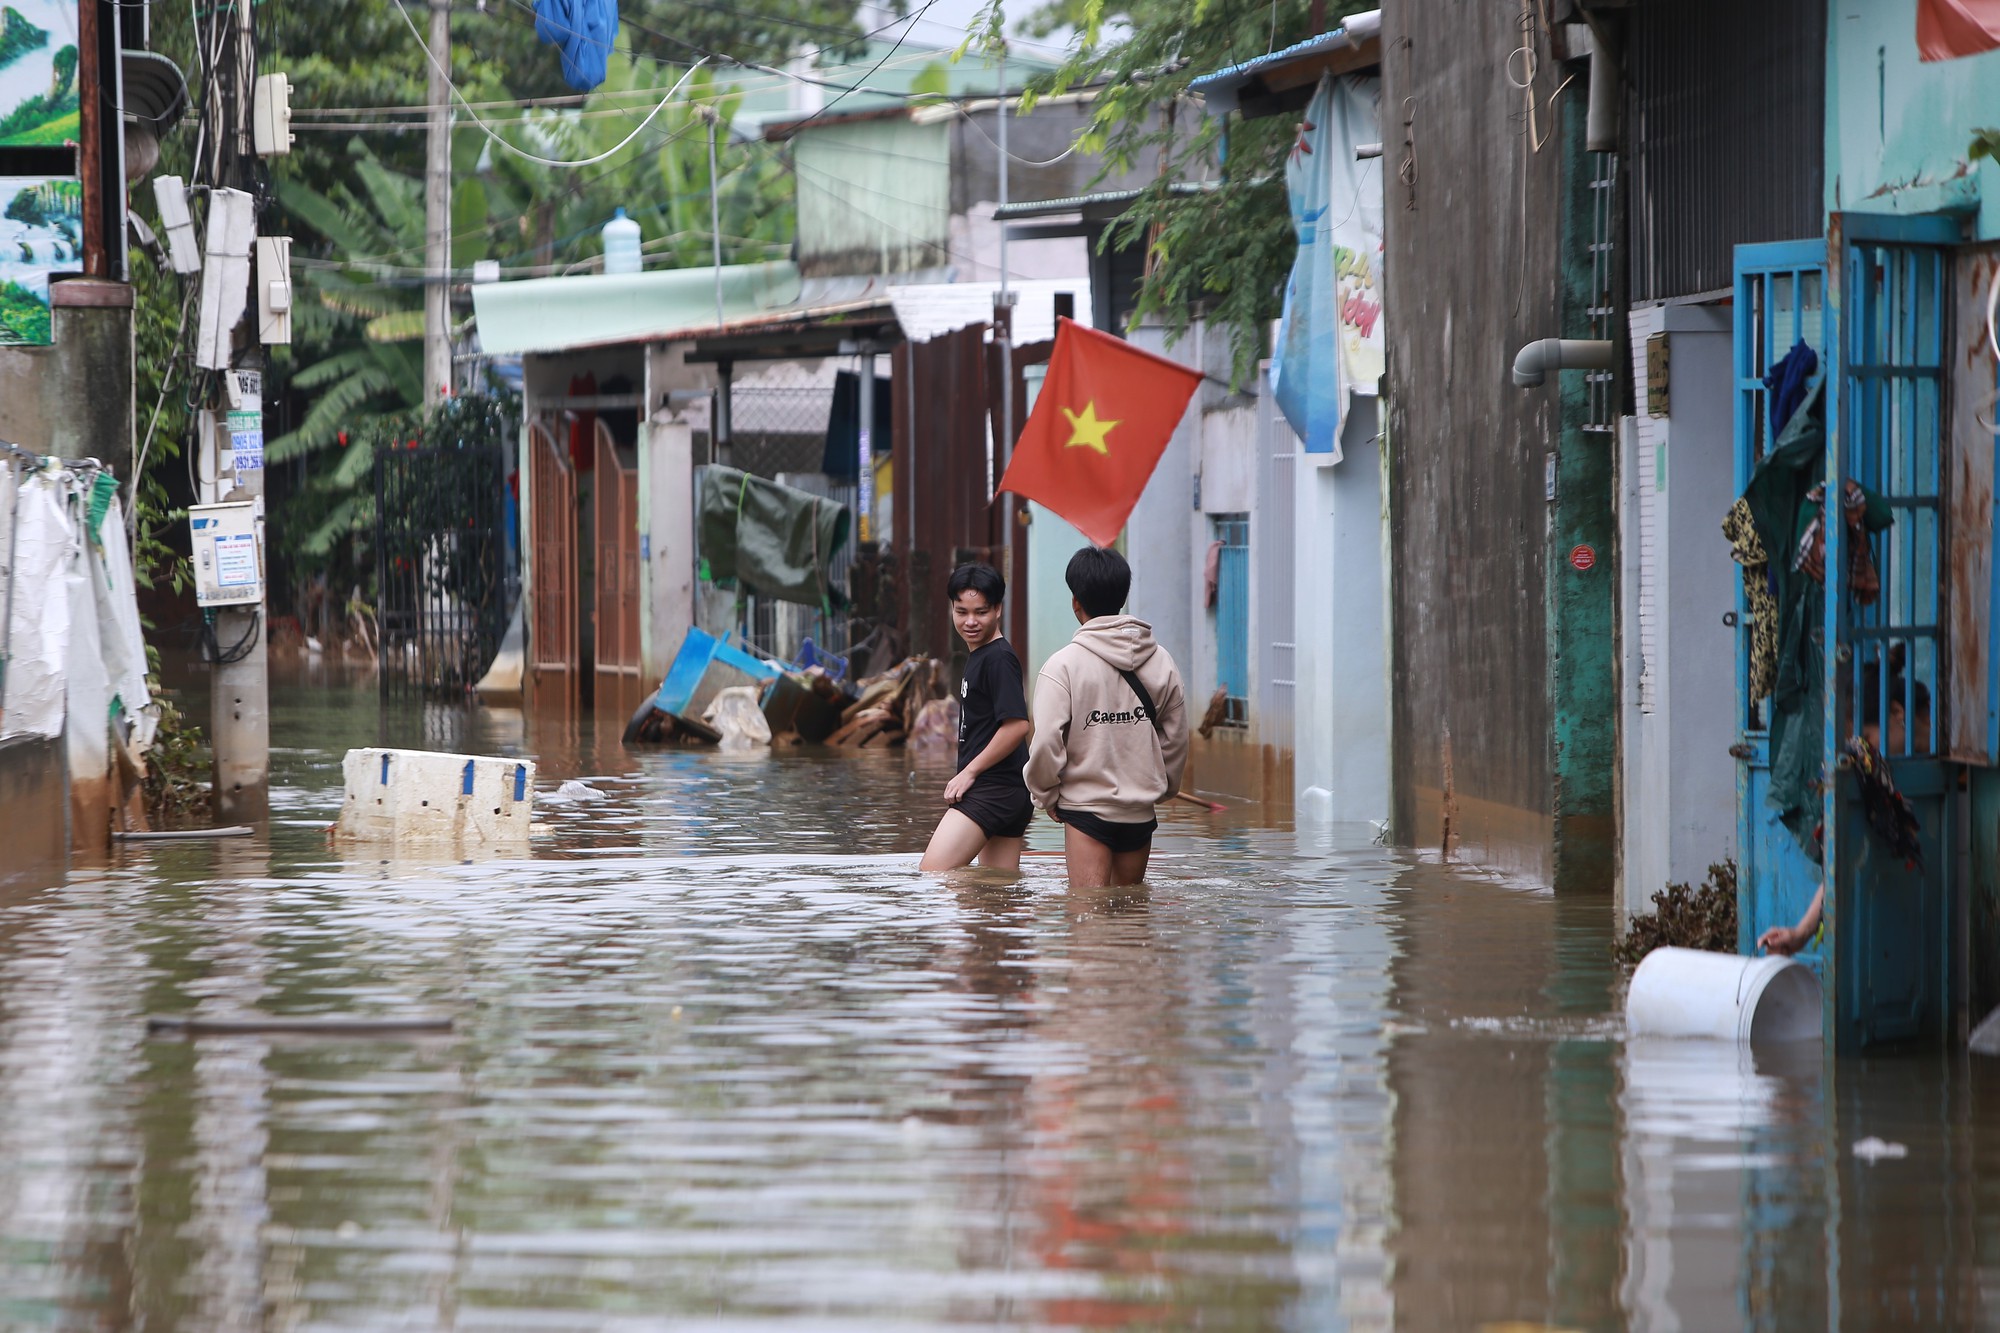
<point x="598" y="309"/>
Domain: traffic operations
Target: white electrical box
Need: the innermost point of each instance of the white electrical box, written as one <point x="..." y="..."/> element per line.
<point x="274" y="289"/>
<point x="183" y="250"/>
<point x="228" y="554"/>
<point x="271" y="115"/>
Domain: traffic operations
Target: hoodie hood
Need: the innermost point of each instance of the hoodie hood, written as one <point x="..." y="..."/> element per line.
<point x="1122" y="641"/>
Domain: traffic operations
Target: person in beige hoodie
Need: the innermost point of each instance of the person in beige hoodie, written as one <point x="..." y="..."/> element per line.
<point x="1111" y="731"/>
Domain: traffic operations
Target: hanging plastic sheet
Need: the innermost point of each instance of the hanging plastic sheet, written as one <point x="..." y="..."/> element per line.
<point x="37" y="642"/>
<point x="87" y="686"/>
<point x="768" y="539"/>
<point x="1330" y="340"/>
<point x="583" y="30"/>
<point x="118" y="631"/>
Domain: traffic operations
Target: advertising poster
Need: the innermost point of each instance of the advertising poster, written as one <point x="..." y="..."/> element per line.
<point x="41" y="231"/>
<point x="38" y="106"/>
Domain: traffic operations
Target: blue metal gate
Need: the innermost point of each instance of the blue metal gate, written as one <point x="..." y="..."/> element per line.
<point x="1780" y="301"/>
<point x="1888" y="917"/>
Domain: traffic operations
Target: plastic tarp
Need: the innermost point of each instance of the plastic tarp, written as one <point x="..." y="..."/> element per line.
<point x="118" y="631"/>
<point x="1330" y="340"/>
<point x="768" y="539"/>
<point x="583" y="30"/>
<point x="39" y="633"/>
<point x="76" y="650"/>
<point x="88" y="733"/>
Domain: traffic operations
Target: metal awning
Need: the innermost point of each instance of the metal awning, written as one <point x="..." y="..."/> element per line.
<point x="1092" y="208"/>
<point x="1284" y="80"/>
<point x="763" y="306"/>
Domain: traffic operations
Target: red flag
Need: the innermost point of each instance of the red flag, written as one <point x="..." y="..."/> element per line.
<point x="1950" y="28"/>
<point x="1105" y="414"/>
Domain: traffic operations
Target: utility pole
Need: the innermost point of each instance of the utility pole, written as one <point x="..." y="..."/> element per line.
<point x="437" y="213"/>
<point x="239" y="691"/>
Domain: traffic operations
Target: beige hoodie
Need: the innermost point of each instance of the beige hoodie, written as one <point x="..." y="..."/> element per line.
<point x="1094" y="750"/>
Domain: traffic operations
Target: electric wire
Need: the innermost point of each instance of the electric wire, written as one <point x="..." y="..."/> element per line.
<point x="495" y="136"/>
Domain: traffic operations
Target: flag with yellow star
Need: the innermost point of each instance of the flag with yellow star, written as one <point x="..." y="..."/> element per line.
<point x="1105" y="414"/>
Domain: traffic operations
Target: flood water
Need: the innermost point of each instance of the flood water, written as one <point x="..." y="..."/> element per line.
<point x="723" y="1059"/>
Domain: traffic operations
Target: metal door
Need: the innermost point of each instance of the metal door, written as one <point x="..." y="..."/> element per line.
<point x="1780" y="301"/>
<point x="552" y="639"/>
<point x="615" y="615"/>
<point x="1889" y="918"/>
<point x="1232" y="615"/>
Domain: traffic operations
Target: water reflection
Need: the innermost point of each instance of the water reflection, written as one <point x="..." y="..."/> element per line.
<point x="722" y="1056"/>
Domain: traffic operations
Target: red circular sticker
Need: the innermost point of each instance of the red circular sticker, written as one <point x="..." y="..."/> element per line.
<point x="1583" y="558"/>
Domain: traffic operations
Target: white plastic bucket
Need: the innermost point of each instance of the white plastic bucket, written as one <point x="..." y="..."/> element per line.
<point x="1723" y="996"/>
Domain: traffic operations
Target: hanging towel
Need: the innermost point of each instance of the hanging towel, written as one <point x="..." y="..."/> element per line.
<point x="584" y="31"/>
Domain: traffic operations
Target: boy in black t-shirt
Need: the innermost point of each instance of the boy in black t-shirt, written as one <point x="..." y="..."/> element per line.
<point x="989" y="801"/>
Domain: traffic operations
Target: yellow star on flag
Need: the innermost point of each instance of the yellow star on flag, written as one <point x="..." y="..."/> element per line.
<point x="1088" y="429"/>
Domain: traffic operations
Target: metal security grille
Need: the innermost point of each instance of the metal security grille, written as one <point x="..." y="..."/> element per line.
<point x="1780" y="302"/>
<point x="775" y="430"/>
<point x="1232" y="615"/>
<point x="1726" y="126"/>
<point x="441" y="577"/>
<point x="1892" y="426"/>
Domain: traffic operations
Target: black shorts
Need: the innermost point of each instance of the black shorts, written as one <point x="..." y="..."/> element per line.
<point x="1118" y="837"/>
<point x="1001" y="809"/>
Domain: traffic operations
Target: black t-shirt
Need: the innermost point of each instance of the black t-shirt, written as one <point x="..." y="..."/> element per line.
<point x="990" y="695"/>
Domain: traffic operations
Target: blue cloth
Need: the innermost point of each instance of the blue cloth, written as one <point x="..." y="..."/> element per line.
<point x="1785" y="385"/>
<point x="584" y="30"/>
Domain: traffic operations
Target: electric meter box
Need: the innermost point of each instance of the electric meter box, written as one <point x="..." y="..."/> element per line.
<point x="228" y="554"/>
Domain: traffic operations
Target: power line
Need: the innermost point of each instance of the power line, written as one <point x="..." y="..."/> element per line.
<point x="522" y="152"/>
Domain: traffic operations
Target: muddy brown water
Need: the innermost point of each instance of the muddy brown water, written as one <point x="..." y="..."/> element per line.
<point x="723" y="1059"/>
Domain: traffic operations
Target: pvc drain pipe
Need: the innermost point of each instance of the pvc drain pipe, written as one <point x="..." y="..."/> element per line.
<point x="1723" y="996"/>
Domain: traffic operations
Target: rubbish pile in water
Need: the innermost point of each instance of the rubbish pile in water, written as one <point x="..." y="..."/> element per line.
<point x="892" y="706"/>
<point x="1686" y="918"/>
<point x="719" y="693"/>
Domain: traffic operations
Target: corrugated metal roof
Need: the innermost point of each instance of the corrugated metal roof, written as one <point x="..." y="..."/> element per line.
<point x="1105" y="202"/>
<point x="1220" y="89"/>
<point x="926" y="312"/>
<point x="595" y="309"/>
<point x="600" y="310"/>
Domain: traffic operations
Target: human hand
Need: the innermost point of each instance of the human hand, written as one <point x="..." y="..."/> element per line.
<point x="1781" y="940"/>
<point x="955" y="790"/>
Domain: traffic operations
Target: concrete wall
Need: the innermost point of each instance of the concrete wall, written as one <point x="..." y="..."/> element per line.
<point x="1472" y="272"/>
<point x="34" y="791"/>
<point x="1897" y="129"/>
<point x="873" y="197"/>
<point x="1678" y="684"/>
<point x="74" y="397"/>
<point x="1214" y="465"/>
<point x="1340" y="626"/>
<point x="1159" y="537"/>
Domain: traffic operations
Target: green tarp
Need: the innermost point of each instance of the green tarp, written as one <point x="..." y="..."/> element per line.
<point x="768" y="539"/>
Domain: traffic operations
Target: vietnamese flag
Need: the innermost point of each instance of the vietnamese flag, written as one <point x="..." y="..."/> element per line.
<point x="1105" y="414"/>
<point x="1947" y="29"/>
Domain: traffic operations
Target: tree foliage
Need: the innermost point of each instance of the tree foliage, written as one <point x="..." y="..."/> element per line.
<point x="1224" y="253"/>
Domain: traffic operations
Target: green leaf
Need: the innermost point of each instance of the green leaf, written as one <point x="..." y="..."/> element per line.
<point x="401" y="326"/>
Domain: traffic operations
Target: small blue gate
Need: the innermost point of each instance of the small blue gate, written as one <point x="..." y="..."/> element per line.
<point x="1889" y="916"/>
<point x="1780" y="301"/>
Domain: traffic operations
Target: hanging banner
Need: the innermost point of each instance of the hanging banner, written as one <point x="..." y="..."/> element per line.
<point x="1330" y="341"/>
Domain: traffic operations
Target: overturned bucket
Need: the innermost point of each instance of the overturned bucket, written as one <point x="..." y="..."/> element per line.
<point x="1723" y="996"/>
